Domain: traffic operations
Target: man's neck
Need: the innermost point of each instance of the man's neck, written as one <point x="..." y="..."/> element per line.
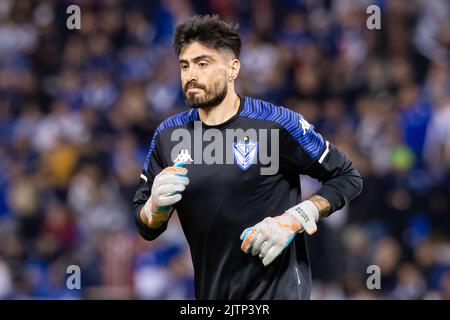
<point x="222" y="112"/>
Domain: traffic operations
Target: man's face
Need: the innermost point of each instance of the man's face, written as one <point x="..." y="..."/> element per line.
<point x="204" y="75"/>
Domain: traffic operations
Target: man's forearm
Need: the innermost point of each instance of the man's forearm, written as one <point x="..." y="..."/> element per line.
<point x="155" y="224"/>
<point x="147" y="231"/>
<point x="322" y="204"/>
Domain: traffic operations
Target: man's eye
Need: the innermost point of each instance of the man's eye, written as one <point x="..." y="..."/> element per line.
<point x="184" y="67"/>
<point x="203" y="64"/>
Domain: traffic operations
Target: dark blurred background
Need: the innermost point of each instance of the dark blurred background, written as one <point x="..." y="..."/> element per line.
<point x="78" y="109"/>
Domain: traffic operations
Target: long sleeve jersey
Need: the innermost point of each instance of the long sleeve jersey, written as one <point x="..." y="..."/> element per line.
<point x="234" y="192"/>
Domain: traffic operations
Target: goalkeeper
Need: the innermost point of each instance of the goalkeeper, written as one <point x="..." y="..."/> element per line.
<point x="246" y="231"/>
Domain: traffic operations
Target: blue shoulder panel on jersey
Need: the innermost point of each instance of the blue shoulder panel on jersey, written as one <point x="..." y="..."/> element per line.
<point x="311" y="141"/>
<point x="176" y="120"/>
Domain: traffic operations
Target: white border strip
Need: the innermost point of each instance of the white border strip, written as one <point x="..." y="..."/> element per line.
<point x="324" y="154"/>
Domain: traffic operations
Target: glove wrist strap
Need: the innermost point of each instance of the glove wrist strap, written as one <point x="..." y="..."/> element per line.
<point x="305" y="211"/>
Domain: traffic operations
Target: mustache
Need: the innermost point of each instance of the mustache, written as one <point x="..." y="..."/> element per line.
<point x="194" y="84"/>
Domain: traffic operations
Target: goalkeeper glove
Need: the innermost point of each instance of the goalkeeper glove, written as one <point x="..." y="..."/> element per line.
<point x="271" y="236"/>
<point x="165" y="193"/>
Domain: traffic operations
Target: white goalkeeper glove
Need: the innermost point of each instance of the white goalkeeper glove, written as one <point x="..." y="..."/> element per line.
<point x="271" y="236"/>
<point x="166" y="189"/>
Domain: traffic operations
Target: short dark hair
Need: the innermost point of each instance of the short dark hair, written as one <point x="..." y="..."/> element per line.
<point x="210" y="31"/>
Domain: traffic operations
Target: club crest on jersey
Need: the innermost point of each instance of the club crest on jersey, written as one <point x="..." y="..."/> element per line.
<point x="245" y="152"/>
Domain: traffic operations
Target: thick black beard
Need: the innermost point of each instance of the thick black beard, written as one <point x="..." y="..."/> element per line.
<point x="213" y="102"/>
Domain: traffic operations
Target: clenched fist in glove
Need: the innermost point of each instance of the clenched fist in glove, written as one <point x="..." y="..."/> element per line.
<point x="166" y="189"/>
<point x="271" y="236"/>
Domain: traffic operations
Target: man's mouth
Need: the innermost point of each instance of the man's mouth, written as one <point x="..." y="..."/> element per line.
<point x="193" y="89"/>
<point x="192" y="86"/>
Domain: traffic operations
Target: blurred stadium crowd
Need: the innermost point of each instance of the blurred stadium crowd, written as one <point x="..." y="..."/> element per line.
<point x="78" y="109"/>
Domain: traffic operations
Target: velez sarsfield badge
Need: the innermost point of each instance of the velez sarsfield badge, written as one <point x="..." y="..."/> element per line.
<point x="245" y="152"/>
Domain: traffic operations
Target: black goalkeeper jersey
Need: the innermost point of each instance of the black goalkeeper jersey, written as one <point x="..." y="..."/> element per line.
<point x="225" y="197"/>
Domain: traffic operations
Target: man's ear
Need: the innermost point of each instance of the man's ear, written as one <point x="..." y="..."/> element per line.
<point x="234" y="67"/>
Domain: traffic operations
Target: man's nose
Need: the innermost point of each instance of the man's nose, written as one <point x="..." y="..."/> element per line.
<point x="192" y="75"/>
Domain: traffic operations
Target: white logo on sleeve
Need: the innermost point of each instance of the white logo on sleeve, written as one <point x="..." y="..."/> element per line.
<point x="305" y="125"/>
